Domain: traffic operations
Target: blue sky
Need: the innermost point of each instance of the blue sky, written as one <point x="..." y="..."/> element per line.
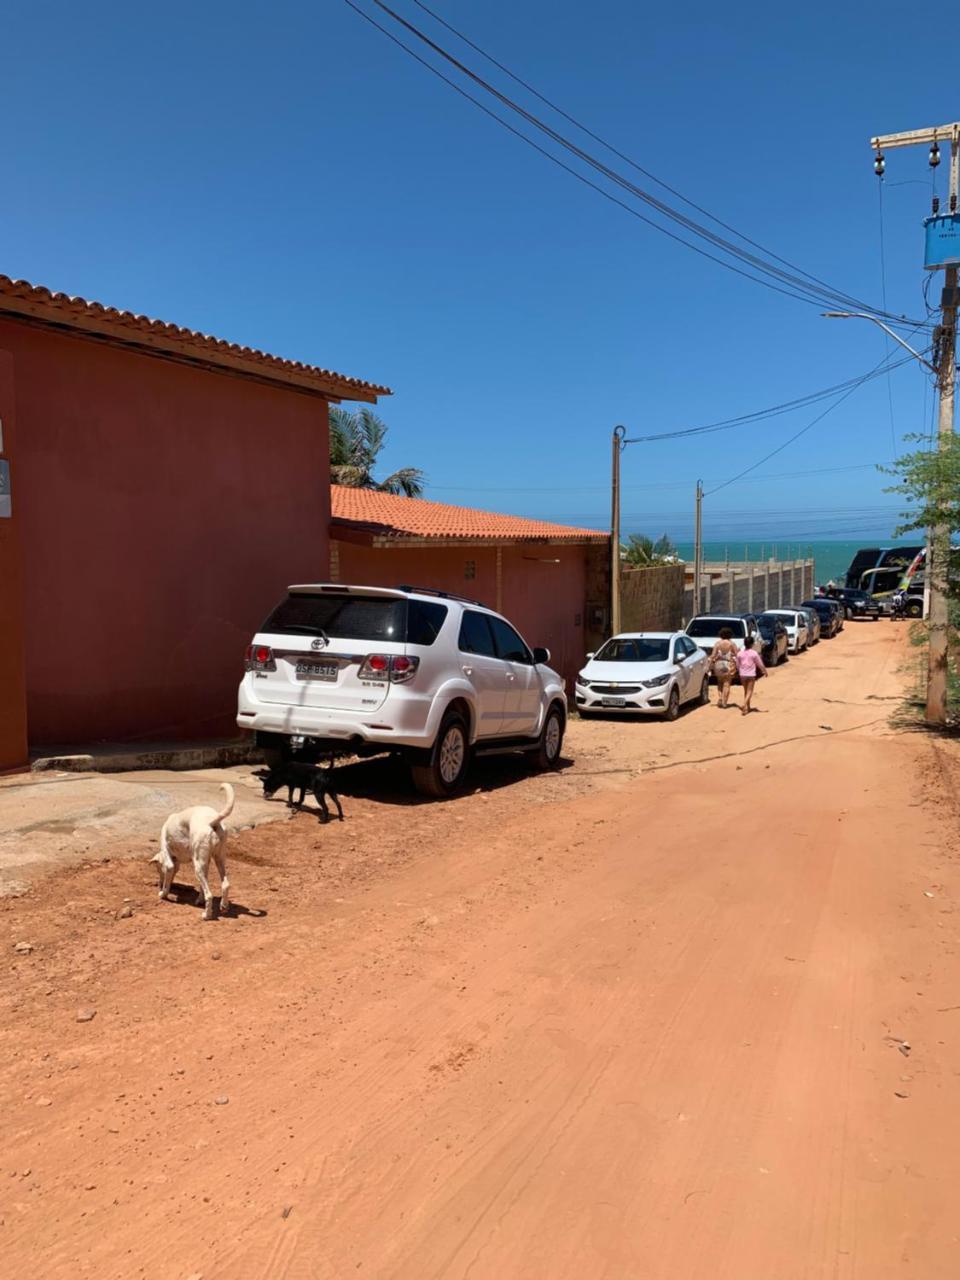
<point x="284" y="176"/>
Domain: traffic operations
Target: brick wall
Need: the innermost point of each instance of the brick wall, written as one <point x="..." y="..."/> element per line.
<point x="596" y="621"/>
<point x="652" y="599"/>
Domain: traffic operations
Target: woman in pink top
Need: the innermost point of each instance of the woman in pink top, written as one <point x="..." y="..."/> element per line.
<point x="749" y="667"/>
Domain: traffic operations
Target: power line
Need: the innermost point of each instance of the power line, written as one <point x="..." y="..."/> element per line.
<point x="634" y="164"/>
<point x="631" y="488"/>
<point x="607" y="195"/>
<point x="796" y="287"/>
<point x="774" y="411"/>
<point x="810" y="425"/>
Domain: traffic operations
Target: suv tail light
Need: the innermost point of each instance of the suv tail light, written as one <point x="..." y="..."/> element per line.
<point x="259" y="657"/>
<point x="397" y="667"/>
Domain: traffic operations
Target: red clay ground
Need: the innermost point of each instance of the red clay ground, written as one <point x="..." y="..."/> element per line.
<point x="687" y="1010"/>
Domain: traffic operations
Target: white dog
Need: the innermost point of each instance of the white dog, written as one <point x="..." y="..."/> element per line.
<point x="197" y="832"/>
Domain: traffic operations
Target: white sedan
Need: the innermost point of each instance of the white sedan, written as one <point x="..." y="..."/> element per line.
<point x="798" y="632"/>
<point x="653" y="672"/>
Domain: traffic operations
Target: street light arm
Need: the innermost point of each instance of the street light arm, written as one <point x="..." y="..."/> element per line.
<point x="863" y="315"/>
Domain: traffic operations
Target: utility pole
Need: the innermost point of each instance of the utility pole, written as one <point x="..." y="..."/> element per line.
<point x="943" y="233"/>
<point x="618" y="435"/>
<point x="698" y="548"/>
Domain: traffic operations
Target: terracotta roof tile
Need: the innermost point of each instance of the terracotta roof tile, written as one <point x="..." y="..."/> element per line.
<point x="387" y="516"/>
<point x="19" y="297"/>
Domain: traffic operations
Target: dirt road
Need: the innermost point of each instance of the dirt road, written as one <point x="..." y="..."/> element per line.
<point x="687" y="1010"/>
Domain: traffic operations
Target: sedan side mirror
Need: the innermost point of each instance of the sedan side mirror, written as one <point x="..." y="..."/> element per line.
<point x="589" y="656"/>
<point x="543" y="656"/>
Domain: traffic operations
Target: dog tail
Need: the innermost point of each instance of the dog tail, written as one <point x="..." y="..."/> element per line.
<point x="226" y="811"/>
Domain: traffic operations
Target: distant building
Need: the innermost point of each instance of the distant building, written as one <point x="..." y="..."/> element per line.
<point x="550" y="580"/>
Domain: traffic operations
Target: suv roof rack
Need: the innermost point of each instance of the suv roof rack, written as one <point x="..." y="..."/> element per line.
<point x="444" y="595"/>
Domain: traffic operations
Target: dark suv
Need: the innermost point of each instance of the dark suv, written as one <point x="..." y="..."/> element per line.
<point x="856" y="603"/>
<point x="830" y="614"/>
<point x="776" y="642"/>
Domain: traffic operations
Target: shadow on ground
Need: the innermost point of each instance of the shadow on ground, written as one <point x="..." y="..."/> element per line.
<point x="386" y="779"/>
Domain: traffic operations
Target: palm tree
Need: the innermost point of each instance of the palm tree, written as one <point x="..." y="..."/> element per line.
<point x="641" y="550"/>
<point x="356" y="439"/>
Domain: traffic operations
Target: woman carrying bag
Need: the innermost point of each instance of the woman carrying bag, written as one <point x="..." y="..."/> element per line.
<point x="723" y="664"/>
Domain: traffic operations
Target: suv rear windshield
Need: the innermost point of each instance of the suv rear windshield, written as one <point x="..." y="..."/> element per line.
<point x="356" y="617"/>
<point x="713" y="626"/>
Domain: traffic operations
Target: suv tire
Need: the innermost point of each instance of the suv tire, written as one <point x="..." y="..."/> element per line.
<point x="445" y="768"/>
<point x="550" y="742"/>
<point x="914" y="609"/>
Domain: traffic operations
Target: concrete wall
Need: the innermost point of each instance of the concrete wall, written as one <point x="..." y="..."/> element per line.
<point x="750" y="587"/>
<point x="542" y="587"/>
<point x="652" y="599"/>
<point x="163" y="508"/>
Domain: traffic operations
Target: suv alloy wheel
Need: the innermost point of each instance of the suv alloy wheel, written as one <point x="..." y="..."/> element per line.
<point x="447" y="762"/>
<point x="551" y="740"/>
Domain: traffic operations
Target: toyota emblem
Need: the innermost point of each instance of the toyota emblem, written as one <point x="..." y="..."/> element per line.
<point x="320" y="643"/>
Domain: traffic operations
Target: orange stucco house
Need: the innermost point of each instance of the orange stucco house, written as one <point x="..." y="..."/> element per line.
<point x="164" y="486"/>
<point x="548" y="579"/>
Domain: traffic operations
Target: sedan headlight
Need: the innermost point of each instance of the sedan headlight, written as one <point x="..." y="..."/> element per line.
<point x="657" y="682"/>
<point x="584" y="684"/>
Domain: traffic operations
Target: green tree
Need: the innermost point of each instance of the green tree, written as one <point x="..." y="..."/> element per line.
<point x="356" y="440"/>
<point x="929" y="479"/>
<point x="641" y="551"/>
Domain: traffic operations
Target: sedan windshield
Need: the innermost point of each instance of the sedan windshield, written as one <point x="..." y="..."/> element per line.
<point x="639" y="649"/>
<point x="713" y="626"/>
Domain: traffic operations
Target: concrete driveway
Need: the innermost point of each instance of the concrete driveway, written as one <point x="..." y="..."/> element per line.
<point x="53" y="820"/>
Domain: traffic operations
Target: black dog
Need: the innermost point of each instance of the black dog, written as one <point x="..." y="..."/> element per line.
<point x="296" y="776"/>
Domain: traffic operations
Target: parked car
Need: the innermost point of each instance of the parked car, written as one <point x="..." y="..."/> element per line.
<point x="705" y="628"/>
<point x="795" y="622"/>
<point x="653" y="672"/>
<point x="813" y="622"/>
<point x="371" y="669"/>
<point x="829" y="613"/>
<point x="776" y="642"/>
<point x="856" y="603"/>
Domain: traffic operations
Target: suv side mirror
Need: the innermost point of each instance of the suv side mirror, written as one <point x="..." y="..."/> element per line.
<point x="543" y="656"/>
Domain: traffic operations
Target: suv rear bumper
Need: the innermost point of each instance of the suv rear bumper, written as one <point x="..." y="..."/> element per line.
<point x="408" y="723"/>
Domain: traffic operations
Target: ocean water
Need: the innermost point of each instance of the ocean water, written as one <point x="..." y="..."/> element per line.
<point x="830" y="558"/>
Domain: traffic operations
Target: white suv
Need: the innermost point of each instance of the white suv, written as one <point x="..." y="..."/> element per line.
<point x="371" y="669"/>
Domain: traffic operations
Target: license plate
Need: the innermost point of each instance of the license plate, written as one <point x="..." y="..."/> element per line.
<point x="614" y="702"/>
<point x="317" y="670"/>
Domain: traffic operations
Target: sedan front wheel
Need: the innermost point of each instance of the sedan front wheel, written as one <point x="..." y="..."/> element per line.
<point x="673" y="704"/>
